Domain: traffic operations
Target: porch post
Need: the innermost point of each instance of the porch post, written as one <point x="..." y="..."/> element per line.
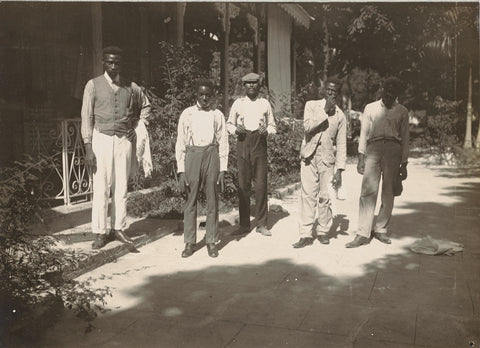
<point x="180" y="22"/>
<point x="97" y="38"/>
<point x="144" y="45"/>
<point x="257" y="52"/>
<point x="226" y="44"/>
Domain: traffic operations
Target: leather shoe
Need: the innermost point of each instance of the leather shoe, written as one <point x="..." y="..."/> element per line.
<point x="212" y="250"/>
<point x="122" y="237"/>
<point x="323" y="238"/>
<point x="303" y="242"/>
<point x="358" y="241"/>
<point x="189" y="249"/>
<point x="382" y="237"/>
<point x="241" y="230"/>
<point x="264" y="231"/>
<point x="100" y="241"/>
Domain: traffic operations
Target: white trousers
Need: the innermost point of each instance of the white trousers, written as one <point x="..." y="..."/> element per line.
<point x="315" y="205"/>
<point x="113" y="155"/>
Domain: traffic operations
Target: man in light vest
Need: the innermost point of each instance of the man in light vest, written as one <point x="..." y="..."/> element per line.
<point x="111" y="109"/>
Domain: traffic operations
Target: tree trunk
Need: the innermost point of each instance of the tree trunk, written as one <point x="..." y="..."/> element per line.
<point x="477" y="141"/>
<point x="326" y="49"/>
<point x="468" y="132"/>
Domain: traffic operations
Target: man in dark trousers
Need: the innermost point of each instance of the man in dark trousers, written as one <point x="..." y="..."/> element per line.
<point x="251" y="119"/>
<point x="383" y="152"/>
<point x="323" y="156"/>
<point x="201" y="152"/>
<point x="111" y="109"/>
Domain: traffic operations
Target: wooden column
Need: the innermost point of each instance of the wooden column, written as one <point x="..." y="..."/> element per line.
<point x="294" y="72"/>
<point x="97" y="38"/>
<point x="257" y="52"/>
<point x="226" y="44"/>
<point x="145" y="45"/>
<point x="179" y="21"/>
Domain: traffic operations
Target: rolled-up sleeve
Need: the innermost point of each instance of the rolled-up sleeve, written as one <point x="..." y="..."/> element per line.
<point x="232" y="118"/>
<point x="222" y="139"/>
<point x="405" y="136"/>
<point x="87" y="114"/>
<point x="145" y="107"/>
<point x="365" y="127"/>
<point x="271" y="125"/>
<point x="341" y="155"/>
<point x="180" y="147"/>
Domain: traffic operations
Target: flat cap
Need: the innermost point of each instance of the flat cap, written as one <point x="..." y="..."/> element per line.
<point x="251" y="77"/>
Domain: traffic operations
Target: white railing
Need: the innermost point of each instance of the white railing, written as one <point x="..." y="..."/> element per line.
<point x="69" y="178"/>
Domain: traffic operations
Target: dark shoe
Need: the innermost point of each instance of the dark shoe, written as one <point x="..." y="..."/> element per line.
<point x="189" y="249"/>
<point x="323" y="238"/>
<point x="264" y="231"/>
<point x="241" y="230"/>
<point x="122" y="237"/>
<point x="303" y="242"/>
<point x="110" y="237"/>
<point x="100" y="241"/>
<point x="212" y="250"/>
<point x="358" y="241"/>
<point x="382" y="237"/>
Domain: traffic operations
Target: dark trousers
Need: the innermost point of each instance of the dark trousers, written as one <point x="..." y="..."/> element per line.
<point x="252" y="164"/>
<point x="202" y="166"/>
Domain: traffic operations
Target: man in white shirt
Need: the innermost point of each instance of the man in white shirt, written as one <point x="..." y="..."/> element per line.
<point x="383" y="153"/>
<point x="201" y="153"/>
<point x="251" y="119"/>
<point x="111" y="109"/>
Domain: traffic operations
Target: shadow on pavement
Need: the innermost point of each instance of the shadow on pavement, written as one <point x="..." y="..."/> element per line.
<point x="395" y="297"/>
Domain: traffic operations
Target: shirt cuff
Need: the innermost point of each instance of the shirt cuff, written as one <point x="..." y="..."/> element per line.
<point x="223" y="166"/>
<point x="271" y="130"/>
<point x="87" y="140"/>
<point x="180" y="167"/>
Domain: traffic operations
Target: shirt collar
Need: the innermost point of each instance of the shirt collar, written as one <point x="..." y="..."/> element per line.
<point x="109" y="79"/>
<point x="200" y="108"/>
<point x="383" y="105"/>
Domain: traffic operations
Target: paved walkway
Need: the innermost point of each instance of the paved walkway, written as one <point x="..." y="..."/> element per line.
<point x="260" y="292"/>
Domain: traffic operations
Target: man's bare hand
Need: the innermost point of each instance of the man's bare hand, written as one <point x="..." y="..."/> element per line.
<point x="182" y="183"/>
<point x="240" y="129"/>
<point x="90" y="159"/>
<point x="403" y="171"/>
<point x="361" y="164"/>
<point x="262" y="130"/>
<point x="337" y="179"/>
<point x="221" y="181"/>
<point x="131" y="135"/>
<point x="330" y="105"/>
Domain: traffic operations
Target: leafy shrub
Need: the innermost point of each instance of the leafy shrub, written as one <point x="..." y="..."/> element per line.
<point x="164" y="201"/>
<point x="173" y="92"/>
<point x="440" y="128"/>
<point x="284" y="153"/>
<point x="33" y="268"/>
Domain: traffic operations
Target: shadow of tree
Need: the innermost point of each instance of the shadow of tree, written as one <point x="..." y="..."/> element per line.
<point x="402" y="297"/>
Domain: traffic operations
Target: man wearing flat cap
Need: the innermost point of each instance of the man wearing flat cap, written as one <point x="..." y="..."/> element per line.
<point x="251" y="120"/>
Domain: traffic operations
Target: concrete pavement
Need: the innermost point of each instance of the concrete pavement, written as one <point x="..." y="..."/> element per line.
<point x="260" y="292"/>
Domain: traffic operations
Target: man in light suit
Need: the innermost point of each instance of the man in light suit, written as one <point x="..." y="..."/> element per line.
<point x="322" y="151"/>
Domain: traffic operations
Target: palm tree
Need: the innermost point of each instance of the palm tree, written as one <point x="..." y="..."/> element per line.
<point x="460" y="25"/>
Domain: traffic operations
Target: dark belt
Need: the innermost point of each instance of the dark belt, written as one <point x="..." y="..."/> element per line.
<point x="385" y="140"/>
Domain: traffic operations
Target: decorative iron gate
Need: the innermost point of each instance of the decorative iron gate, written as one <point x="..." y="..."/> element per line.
<point x="61" y="142"/>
